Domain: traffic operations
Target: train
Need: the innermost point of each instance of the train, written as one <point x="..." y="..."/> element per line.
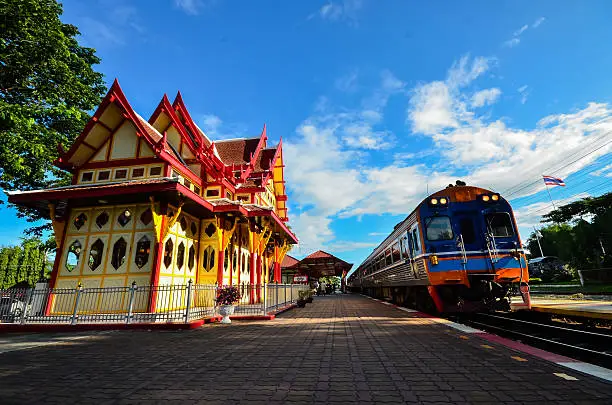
<point x="459" y="250"/>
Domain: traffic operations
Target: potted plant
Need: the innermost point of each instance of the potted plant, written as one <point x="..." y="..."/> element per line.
<point x="227" y="297"/>
<point x="301" y="302"/>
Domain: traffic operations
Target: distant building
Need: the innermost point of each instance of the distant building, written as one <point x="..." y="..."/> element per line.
<point x="315" y="265"/>
<point x="156" y="202"/>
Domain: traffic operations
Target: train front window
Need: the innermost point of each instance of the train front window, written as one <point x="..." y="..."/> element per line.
<point x="439" y="228"/>
<point x="500" y="225"/>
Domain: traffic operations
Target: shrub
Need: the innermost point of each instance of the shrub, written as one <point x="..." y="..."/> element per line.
<point x="228" y="295"/>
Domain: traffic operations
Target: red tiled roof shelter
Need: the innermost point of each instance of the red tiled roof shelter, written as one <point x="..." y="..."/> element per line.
<point x="316" y="265"/>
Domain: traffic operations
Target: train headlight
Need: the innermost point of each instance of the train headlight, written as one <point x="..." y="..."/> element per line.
<point x="443" y="201"/>
<point x="485" y="198"/>
<point x="434" y="201"/>
<point x="433" y="259"/>
<point x="495" y="197"/>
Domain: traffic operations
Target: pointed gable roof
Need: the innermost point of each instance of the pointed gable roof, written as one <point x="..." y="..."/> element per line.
<point x="183" y="114"/>
<point x="112" y="113"/>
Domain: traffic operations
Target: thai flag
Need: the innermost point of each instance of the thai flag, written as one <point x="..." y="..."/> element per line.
<point x="553" y="181"/>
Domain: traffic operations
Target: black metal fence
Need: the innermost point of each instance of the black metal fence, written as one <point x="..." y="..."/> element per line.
<point x="136" y="304"/>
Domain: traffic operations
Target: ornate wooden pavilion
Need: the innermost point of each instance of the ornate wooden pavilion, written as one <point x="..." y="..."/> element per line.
<point x="157" y="202"/>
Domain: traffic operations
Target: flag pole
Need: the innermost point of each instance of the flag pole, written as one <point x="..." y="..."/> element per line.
<point x="548" y="191"/>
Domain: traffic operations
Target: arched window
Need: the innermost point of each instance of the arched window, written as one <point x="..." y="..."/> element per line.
<point x="143" y="248"/>
<point x="72" y="258"/>
<point x="191" y="258"/>
<point x="102" y="219"/>
<point x="183" y="223"/>
<point x="211" y="257"/>
<point x="146" y="217"/>
<point x="226" y="260"/>
<point x="95" y="254"/>
<point x="168" y="253"/>
<point x="180" y="255"/>
<point x="119" y="253"/>
<point x="235" y="261"/>
<point x="124" y="218"/>
<point x="80" y="220"/>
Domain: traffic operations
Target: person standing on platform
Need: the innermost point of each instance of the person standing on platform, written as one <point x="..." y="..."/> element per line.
<point x="317" y="287"/>
<point x="323" y="287"/>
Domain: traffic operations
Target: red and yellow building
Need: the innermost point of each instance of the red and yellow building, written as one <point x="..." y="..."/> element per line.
<point x="157" y="202"/>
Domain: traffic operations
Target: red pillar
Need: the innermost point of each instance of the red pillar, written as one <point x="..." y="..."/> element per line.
<point x="220" y="263"/>
<point x="277" y="272"/>
<point x="259" y="278"/>
<point x="252" y="265"/>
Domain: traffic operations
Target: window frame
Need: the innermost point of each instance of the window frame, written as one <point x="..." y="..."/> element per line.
<point x="431" y="219"/>
<point x="510" y="223"/>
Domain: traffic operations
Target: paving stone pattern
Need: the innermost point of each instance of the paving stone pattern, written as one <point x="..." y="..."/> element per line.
<point x="339" y="349"/>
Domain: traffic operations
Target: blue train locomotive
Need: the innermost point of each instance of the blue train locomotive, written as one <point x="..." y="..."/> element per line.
<point x="458" y="251"/>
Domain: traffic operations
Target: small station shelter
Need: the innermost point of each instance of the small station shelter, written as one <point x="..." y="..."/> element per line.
<point x="156" y="202"/>
<point x="316" y="265"/>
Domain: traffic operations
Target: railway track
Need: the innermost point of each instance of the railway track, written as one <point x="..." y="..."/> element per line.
<point x="584" y="345"/>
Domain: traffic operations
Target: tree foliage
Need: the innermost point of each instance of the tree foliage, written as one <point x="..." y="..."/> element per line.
<point x="47" y="87"/>
<point x="579" y="233"/>
<point x="26" y="263"/>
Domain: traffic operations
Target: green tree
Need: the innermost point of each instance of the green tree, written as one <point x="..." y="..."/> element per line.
<point x="47" y="87"/>
<point x="578" y="233"/>
<point x="26" y="263"/>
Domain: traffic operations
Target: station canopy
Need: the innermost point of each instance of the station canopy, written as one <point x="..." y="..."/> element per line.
<point x="316" y="265"/>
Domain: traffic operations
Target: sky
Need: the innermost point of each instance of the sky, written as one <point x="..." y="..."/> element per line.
<point x="377" y="103"/>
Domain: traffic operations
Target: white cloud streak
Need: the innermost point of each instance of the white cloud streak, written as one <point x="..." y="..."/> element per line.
<point x="485" y="97"/>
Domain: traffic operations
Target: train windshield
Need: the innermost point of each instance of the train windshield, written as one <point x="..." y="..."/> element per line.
<point x="439" y="228"/>
<point x="500" y="225"/>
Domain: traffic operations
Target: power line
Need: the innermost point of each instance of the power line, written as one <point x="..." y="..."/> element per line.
<point x="569" y="156"/>
<point x="560" y="168"/>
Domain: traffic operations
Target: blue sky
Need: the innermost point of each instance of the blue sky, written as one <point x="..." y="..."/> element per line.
<point x="376" y="102"/>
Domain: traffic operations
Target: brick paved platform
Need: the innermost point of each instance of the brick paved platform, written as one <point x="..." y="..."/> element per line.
<point x="339" y="349"/>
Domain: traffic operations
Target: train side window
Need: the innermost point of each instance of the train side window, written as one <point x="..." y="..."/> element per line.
<point x="395" y="252"/>
<point x="388" y="257"/>
<point x="500" y="224"/>
<point x="466" y="226"/>
<point x="404" y="247"/>
<point x="438" y="228"/>
<point x="415" y="241"/>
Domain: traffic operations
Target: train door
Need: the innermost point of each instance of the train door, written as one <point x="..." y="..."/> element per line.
<point x="415" y="249"/>
<point x="468" y="232"/>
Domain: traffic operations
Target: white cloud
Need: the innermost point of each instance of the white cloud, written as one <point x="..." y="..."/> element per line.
<point x="520" y="30"/>
<point x="537" y="22"/>
<point x="431" y="108"/>
<point x="216" y="129"/>
<point x="462" y="72"/>
<point x="189" y="6"/>
<point x="512" y="42"/>
<point x="488" y="150"/>
<point x="348" y="82"/>
<point x="211" y="122"/>
<point x="524" y="92"/>
<point x="436" y="106"/>
<point x="347" y="10"/>
<point x="378" y="233"/>
<point x="345" y="246"/>
<point x="605" y="171"/>
<point x="485" y="97"/>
